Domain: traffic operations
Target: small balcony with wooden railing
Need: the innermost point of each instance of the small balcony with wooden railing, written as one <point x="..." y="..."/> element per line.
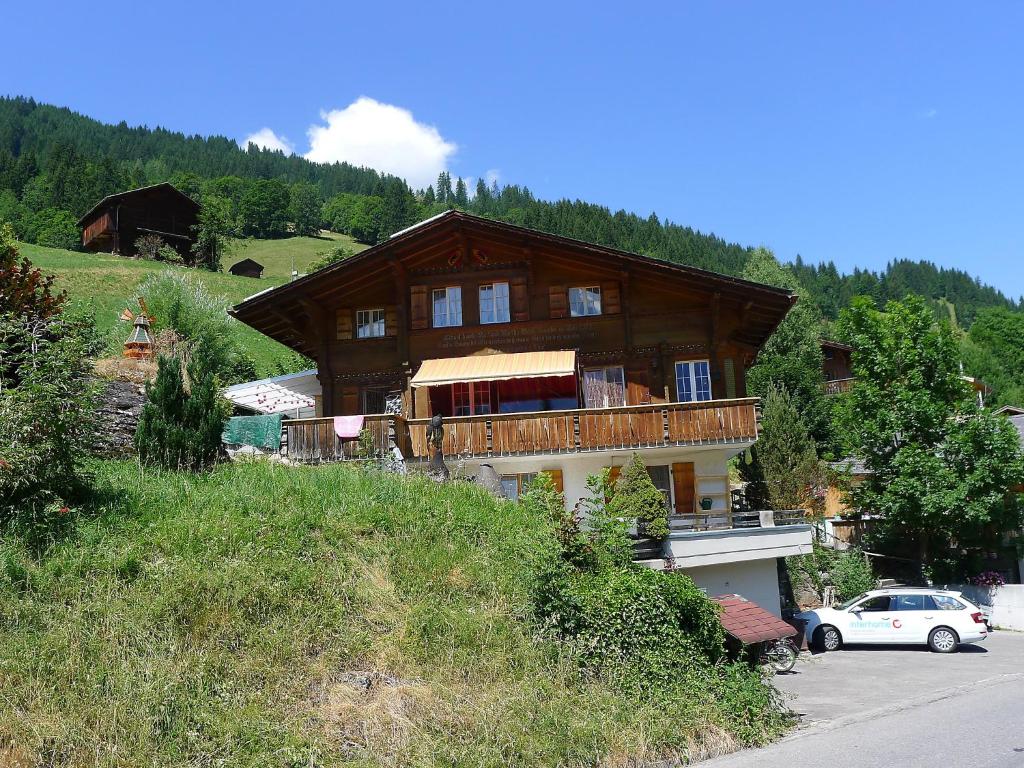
<point x="580" y="430"/>
<point x="838" y="386"/>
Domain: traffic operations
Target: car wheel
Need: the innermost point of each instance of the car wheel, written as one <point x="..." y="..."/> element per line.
<point x="943" y="640"/>
<point x="829" y="638"/>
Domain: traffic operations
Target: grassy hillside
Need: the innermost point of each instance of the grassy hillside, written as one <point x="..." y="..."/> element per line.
<point x="100" y="283"/>
<point x="311" y="616"/>
<point x="279" y="256"/>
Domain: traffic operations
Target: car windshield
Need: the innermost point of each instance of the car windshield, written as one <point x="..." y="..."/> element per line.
<point x="851" y="601"/>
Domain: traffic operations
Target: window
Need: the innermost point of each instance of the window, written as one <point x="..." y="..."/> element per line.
<point x="604" y="387"/>
<point x="369" y="323"/>
<point x="494" y="303"/>
<point x="913" y="603"/>
<point x="447" y="307"/>
<point x="584" y="302"/>
<point x="374" y="400"/>
<point x="946" y="603"/>
<point x="514" y="486"/>
<point x="880" y="603"/>
<point x="693" y="381"/>
<point x="471" y="398"/>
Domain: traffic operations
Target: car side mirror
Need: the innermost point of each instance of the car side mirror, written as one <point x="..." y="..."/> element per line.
<point x="856" y="609"/>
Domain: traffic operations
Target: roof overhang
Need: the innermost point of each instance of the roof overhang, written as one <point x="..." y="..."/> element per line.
<point x="518" y="365"/>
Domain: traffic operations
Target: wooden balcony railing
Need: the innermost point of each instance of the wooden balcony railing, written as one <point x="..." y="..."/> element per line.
<point x="838" y="386"/>
<point x="313" y="440"/>
<point x="102" y="225"/>
<point x="713" y="422"/>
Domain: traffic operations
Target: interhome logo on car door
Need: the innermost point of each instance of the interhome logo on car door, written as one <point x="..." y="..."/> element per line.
<point x="863" y="626"/>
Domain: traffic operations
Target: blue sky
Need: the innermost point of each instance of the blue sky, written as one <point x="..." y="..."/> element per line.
<point x="859" y="134"/>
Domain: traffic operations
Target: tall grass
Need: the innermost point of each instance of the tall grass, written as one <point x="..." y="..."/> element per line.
<point x="282" y="616"/>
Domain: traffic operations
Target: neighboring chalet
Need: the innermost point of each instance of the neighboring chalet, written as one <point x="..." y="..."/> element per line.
<point x="117" y="221"/>
<point x="546" y="354"/>
<point x="246" y="268"/>
<point x="836" y="366"/>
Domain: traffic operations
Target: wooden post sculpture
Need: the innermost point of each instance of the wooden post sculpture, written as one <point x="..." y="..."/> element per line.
<point x="435" y="449"/>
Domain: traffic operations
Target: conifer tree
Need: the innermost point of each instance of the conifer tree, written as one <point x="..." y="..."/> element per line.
<point x="461" y="195"/>
<point x="181" y="428"/>
<point x="636" y="497"/>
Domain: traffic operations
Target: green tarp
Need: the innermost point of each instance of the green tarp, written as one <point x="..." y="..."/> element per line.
<point x="258" y="431"/>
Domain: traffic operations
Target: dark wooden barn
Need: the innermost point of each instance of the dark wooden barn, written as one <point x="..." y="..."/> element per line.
<point x="115" y="223"/>
<point x="246" y="268"/>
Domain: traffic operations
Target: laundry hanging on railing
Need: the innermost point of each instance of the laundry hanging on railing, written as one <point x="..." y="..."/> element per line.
<point x="348" y="427"/>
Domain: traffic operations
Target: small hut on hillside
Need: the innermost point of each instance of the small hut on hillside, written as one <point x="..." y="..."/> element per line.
<point x="246" y="268"/>
<point x="117" y="221"/>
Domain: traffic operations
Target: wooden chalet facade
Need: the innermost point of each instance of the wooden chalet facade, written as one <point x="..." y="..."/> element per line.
<point x="117" y="221"/>
<point x="540" y="352"/>
<point x="837" y="367"/>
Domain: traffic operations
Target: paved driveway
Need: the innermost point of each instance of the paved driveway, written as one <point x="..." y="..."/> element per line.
<point x="858" y="680"/>
<point x="871" y="706"/>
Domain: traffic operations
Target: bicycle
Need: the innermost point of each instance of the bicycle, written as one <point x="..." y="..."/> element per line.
<point x="779" y="655"/>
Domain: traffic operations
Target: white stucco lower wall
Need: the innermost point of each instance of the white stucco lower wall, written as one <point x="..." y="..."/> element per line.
<point x="756" y="580"/>
<point x="577" y="467"/>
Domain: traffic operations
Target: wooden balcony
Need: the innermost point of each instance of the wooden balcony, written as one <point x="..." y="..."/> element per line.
<point x="312" y="441"/>
<point x="838" y="386"/>
<point x="714" y="422"/>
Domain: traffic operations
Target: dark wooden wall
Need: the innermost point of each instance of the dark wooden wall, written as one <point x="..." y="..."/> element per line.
<point x="648" y="323"/>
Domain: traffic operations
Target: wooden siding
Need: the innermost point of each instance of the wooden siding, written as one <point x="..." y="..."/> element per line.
<point x="716" y="422"/>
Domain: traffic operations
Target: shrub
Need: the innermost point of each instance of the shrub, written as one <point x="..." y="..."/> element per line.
<point x="637" y="498"/>
<point x="53" y="228"/>
<point x="332" y="256"/>
<point x="180" y="426"/>
<point x="46" y="403"/>
<point x="181" y="303"/>
<point x="849" y="571"/>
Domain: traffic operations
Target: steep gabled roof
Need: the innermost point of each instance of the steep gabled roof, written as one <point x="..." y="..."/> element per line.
<point x="117" y="196"/>
<point x="452" y="217"/>
<point x="264" y="310"/>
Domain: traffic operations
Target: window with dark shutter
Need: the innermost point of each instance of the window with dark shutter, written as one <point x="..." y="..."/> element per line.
<point x="557" y="302"/>
<point x="419" y="307"/>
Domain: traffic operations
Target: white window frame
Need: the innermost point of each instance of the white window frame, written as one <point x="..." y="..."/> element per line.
<point x="687" y="372"/>
<point x="497" y="303"/>
<point x="369" y="321"/>
<point x="605" y="369"/>
<point x="587" y="301"/>
<point x="452" y="315"/>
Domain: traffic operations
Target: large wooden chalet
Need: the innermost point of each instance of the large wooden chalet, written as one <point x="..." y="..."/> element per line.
<point x="117" y="221"/>
<point x="541" y="353"/>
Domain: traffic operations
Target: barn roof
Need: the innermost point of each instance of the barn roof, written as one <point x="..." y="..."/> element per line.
<point x="163" y="186"/>
<point x="244" y="263"/>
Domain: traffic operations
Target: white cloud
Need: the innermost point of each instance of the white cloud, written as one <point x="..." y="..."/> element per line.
<point x="381" y="136"/>
<point x="929" y="113"/>
<point x="493" y="176"/>
<point x="267" y="139"/>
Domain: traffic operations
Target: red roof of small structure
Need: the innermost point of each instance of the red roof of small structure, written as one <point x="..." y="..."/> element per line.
<point x="749" y="623"/>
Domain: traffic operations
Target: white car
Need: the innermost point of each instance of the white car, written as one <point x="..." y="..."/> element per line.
<point x="939" y="618"/>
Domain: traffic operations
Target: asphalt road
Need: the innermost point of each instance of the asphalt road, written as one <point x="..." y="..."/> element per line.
<point x="889" y="706"/>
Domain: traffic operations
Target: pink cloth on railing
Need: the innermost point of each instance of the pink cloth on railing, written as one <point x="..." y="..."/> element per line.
<point x="347" y="427"/>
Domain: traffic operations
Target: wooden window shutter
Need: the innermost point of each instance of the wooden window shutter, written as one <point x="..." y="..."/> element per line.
<point x="638" y="392"/>
<point x="349" y="401"/>
<point x="729" y="369"/>
<point x="611" y="300"/>
<point x="419" y="307"/>
<point x="344" y="316"/>
<point x="556" y="478"/>
<point x="519" y="299"/>
<point x="558" y="304"/>
<point x="391" y="320"/>
<point x="683" y="486"/>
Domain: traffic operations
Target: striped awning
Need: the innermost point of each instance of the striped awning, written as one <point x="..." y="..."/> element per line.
<point x="517" y="365"/>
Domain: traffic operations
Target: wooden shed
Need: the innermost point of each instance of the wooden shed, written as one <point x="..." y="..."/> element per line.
<point x="246" y="268"/>
<point x="117" y="221"/>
